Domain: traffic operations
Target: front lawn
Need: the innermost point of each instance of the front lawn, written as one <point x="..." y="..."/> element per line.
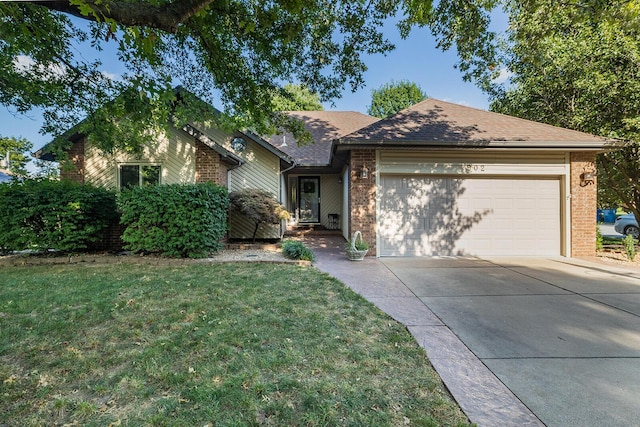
<point x="201" y="344"/>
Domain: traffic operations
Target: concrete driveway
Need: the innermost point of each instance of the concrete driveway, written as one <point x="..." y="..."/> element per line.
<point x="562" y="335"/>
<point x="517" y="341"/>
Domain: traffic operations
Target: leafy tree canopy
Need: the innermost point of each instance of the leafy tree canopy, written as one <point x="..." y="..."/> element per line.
<point x="580" y="69"/>
<point x="297" y="97"/>
<point x="14" y="154"/>
<point x="393" y="97"/>
<point x="229" y="53"/>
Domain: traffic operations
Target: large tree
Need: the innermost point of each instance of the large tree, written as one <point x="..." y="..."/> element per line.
<point x="234" y="54"/>
<point x="393" y="97"/>
<point x="581" y="71"/>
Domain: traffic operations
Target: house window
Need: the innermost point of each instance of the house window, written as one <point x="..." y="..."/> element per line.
<point x="139" y="175"/>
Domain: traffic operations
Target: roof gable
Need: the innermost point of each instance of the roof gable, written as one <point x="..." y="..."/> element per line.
<point x="325" y="127"/>
<point x="442" y="124"/>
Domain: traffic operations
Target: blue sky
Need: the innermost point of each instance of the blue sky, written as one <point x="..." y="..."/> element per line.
<point x="415" y="59"/>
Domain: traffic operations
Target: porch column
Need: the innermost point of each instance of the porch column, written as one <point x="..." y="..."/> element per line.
<point x="362" y="196"/>
<point x="583" y="206"/>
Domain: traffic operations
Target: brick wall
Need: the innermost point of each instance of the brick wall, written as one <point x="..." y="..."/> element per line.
<point x="111" y="238"/>
<point x="362" y="196"/>
<point x="208" y="165"/>
<point x="75" y="170"/>
<point x="583" y="206"/>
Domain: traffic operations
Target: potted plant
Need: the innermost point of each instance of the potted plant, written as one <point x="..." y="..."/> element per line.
<point x="357" y="247"/>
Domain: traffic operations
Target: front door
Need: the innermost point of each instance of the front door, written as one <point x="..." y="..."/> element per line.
<point x="309" y="200"/>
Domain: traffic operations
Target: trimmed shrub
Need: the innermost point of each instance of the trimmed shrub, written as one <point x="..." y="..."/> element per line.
<point x="294" y="249"/>
<point x="257" y="205"/>
<point x="174" y="220"/>
<point x="40" y="214"/>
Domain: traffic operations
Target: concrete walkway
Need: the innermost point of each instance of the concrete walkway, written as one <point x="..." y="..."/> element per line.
<point x="518" y="342"/>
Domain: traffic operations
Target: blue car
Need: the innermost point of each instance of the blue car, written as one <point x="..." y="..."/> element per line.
<point x="627" y="225"/>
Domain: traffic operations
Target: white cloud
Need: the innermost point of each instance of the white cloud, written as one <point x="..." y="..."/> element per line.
<point x="111" y="76"/>
<point x="503" y="77"/>
<point x="25" y="64"/>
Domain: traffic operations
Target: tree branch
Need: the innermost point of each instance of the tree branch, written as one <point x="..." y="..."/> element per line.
<point x="164" y="17"/>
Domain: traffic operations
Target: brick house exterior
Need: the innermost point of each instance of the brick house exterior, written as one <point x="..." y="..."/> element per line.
<point x="209" y="167"/>
<point x="363" y="196"/>
<point x="74" y="171"/>
<point x="439" y="130"/>
<point x="433" y="142"/>
<point x="583" y="206"/>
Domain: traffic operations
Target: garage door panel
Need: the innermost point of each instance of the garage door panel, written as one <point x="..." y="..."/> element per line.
<point x="478" y="216"/>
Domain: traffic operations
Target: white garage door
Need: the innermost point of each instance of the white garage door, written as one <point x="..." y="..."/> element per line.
<point x="471" y="216"/>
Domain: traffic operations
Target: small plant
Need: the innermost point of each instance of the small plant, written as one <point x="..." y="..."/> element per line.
<point x="359" y="244"/>
<point x="599" y="239"/>
<point x="259" y="206"/>
<point x="357" y="247"/>
<point x="630" y="247"/>
<point x="295" y="249"/>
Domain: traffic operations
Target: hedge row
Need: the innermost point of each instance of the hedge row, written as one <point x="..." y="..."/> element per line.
<point x="43" y="214"/>
<point x="173" y="220"/>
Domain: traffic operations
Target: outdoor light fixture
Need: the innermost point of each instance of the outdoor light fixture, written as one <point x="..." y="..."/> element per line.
<point x="364" y="172"/>
<point x="587" y="177"/>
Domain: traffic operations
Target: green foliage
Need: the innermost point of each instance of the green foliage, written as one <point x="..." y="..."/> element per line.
<point x="580" y="70"/>
<point x="295" y="249"/>
<point x="599" y="239"/>
<point x="297" y="98"/>
<point x="357" y="242"/>
<point x="630" y="247"/>
<point x="14" y="154"/>
<point x="43" y="214"/>
<point x="174" y="220"/>
<point x="393" y="97"/>
<point x="258" y="206"/>
<point x="264" y="45"/>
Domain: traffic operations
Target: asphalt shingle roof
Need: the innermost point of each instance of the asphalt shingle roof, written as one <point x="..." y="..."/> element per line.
<point x="324" y="126"/>
<point x="438" y="123"/>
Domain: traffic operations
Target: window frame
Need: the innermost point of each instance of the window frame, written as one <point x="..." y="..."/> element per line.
<point x="140" y="165"/>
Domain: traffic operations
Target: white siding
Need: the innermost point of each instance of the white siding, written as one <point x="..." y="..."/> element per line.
<point x="174" y="152"/>
<point x="330" y="198"/>
<point x="486" y="163"/>
<point x="261" y="170"/>
<point x="344" y="220"/>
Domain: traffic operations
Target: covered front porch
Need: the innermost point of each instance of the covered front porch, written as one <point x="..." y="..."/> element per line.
<point x="316" y="201"/>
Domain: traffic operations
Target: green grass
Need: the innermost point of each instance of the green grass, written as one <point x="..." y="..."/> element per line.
<point x="223" y="345"/>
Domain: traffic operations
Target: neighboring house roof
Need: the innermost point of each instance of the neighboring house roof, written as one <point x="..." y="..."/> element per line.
<point x="325" y="127"/>
<point x="440" y="124"/>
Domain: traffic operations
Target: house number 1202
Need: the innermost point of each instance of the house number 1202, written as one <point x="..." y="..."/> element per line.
<point x="473" y="168"/>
